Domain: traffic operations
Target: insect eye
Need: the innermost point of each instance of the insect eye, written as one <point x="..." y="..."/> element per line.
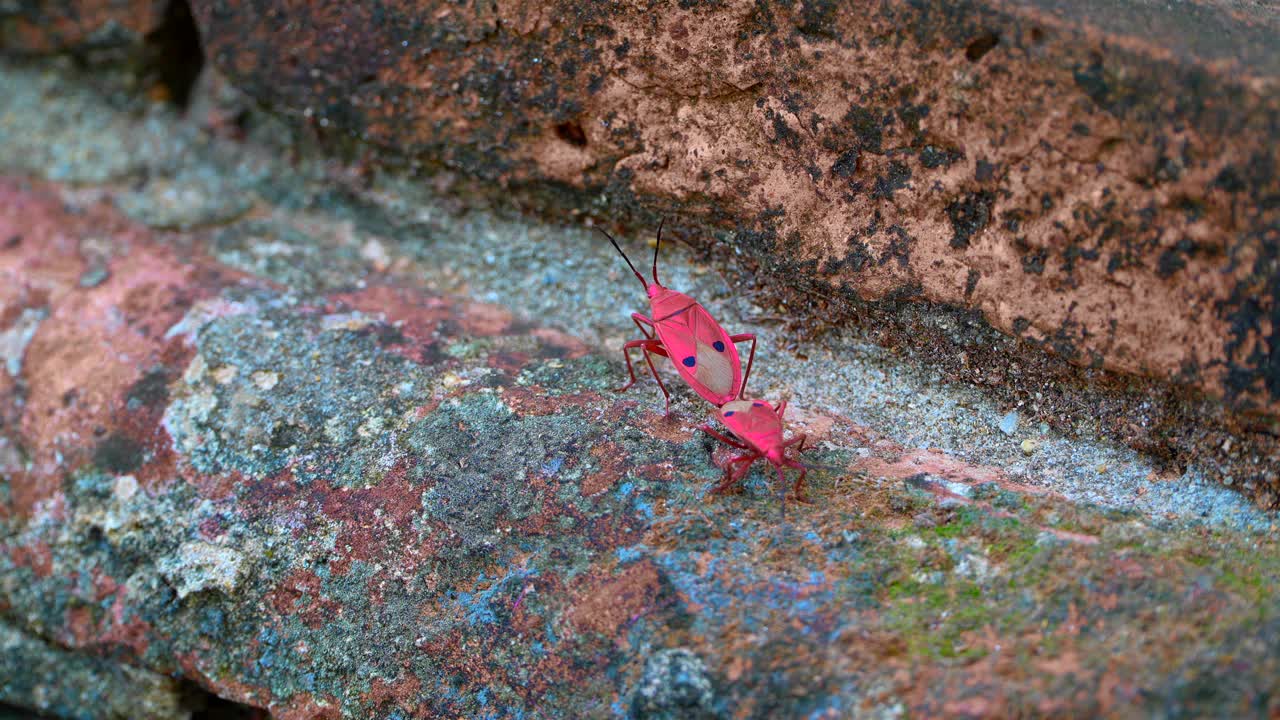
<point x="690" y="361"/>
<point x="718" y="345"/>
<point x="728" y="413"/>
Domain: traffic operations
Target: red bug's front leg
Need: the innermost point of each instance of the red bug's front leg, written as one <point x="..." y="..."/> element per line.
<point x="641" y="321"/>
<point x="782" y="409"/>
<point x="626" y="354"/>
<point x="727" y="441"/>
<point x="735" y="339"/>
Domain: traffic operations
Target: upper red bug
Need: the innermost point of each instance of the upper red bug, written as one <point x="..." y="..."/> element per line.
<point x="759" y="428"/>
<point x="701" y="351"/>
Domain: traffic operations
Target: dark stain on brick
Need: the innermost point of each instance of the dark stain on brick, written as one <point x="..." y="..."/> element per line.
<point x="985" y="172"/>
<point x="782" y="132"/>
<point x="935" y="157"/>
<point x="1175" y="258"/>
<point x="910" y="115"/>
<point x="846" y="166"/>
<point x="1013" y="220"/>
<point x="1114" y="92"/>
<point x="859" y="256"/>
<point x="969" y="215"/>
<point x="1229" y="180"/>
<point x="971" y="282"/>
<point x="1254" y="357"/>
<point x="899" y="248"/>
<point x="893" y="180"/>
<point x="817" y="18"/>
<point x="1033" y="261"/>
<point x="865" y="125"/>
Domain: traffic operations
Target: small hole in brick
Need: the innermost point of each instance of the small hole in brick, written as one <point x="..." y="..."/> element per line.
<point x="176" y="52"/>
<point x="981" y="45"/>
<point x="1037" y="36"/>
<point x="572" y="133"/>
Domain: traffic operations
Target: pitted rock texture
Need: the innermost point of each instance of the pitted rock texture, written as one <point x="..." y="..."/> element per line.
<point x="373" y="501"/>
<point x="1099" y="179"/>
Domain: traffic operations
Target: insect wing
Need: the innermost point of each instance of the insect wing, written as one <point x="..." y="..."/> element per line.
<point x="703" y="354"/>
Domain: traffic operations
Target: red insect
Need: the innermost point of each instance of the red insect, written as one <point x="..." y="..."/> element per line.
<point x="702" y="352"/>
<point x="758" y="425"/>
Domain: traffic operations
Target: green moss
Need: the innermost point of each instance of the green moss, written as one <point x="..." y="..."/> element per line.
<point x="960" y="523"/>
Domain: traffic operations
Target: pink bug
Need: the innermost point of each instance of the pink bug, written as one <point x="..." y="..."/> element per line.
<point x="758" y="426"/>
<point x="702" y="352"/>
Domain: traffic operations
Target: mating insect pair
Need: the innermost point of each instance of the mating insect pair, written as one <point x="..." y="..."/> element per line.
<point x="706" y="357"/>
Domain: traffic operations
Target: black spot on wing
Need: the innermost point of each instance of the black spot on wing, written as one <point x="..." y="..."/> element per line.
<point x="690" y="361"/>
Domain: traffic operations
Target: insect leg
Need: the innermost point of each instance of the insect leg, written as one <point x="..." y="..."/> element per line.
<point x="626" y="354"/>
<point x="741" y="472"/>
<point x="638" y="319"/>
<point x="782" y="408"/>
<point x="731" y="476"/>
<point x="800" y="496"/>
<point x="727" y="441"/>
<point x="656" y="347"/>
<point x="797" y="439"/>
<point x="735" y="339"/>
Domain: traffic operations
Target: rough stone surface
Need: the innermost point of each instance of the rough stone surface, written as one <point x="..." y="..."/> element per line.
<point x="1098" y="179"/>
<point x="64" y="683"/>
<point x="345" y="452"/>
<point x="363" y="499"/>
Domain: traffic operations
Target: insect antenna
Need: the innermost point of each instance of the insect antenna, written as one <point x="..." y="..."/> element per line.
<point x="657" y="246"/>
<point x="624" y="257"/>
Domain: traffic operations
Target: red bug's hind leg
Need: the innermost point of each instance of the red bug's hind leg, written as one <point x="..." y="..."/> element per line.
<point x="735" y="339"/>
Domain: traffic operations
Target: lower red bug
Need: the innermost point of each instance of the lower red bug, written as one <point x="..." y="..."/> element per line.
<point x="758" y="425"/>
